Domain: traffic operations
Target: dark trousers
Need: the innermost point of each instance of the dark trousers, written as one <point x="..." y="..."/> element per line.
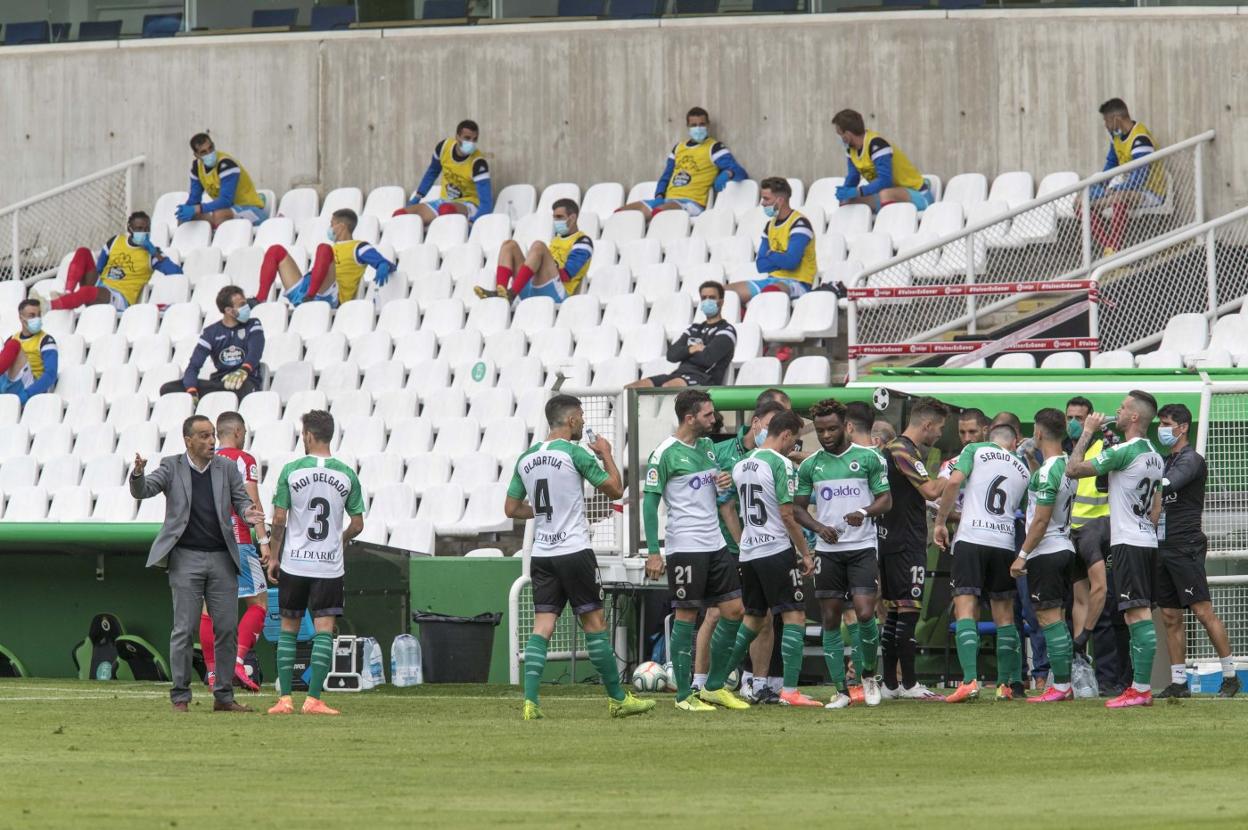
<point x="196" y="578"/>
<point x="1111" y="642"/>
<point x="209" y="385"/>
<point x="1025" y="615"/>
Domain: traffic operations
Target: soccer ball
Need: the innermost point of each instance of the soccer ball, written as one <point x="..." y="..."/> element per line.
<point x="879" y="398"/>
<point x="649" y="677"/>
<point x="733" y="680"/>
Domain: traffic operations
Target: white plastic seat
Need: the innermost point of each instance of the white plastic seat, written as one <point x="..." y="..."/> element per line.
<point x="1015" y="360"/>
<point x="850" y="220"/>
<point x="50" y="440"/>
<point x="966" y="189"/>
<point x="1185" y="333"/>
<point x="151" y="352"/>
<point x="626" y="226"/>
<point x="814" y="315"/>
<point x="898" y="220"/>
<point x="759" y="371"/>
<point x="415" y="535"/>
<point x="482" y="553"/>
<point x="371" y="348"/>
<point x="190" y="235"/>
<point x="116" y="381"/>
<point x="597" y="344"/>
<point x="490" y="232"/>
<point x="181" y="320"/>
<point x="488" y="404"/>
<point x="739" y="197"/>
<point x="670" y="224"/>
<point x="349" y="198"/>
<point x="733" y="250"/>
<point x="27" y="504"/>
<point x="399" y="318"/>
<point x="447" y="231"/>
<point x="164" y="217"/>
<point x="114" y="504"/>
<point x="1014" y="188"/>
<point x="653" y="281"/>
<point x="674" y="312"/>
<point x="231" y="235"/>
<point x="1053" y="182"/>
<point x="429" y="377"/>
<point x="94" y="441"/>
<point x="536" y="227"/>
<point x="19" y="471"/>
<point x="1160" y="359"/>
<point x="442" y="506"/>
<point x="127" y="410"/>
<point x="395" y="405"/>
<point x="326" y="350"/>
<point x="686" y="253"/>
<point x="282" y="348"/>
<point x="811" y="369"/>
<point x="410" y="437"/>
<point x="473" y="469"/>
<point x="613" y="281"/>
<point x="392" y="504"/>
<point x="363" y="435"/>
<point x="304" y="400"/>
<point x="345" y="406"/>
<point x="70" y="504"/>
<point x="552" y="346"/>
<point x="444" y="316"/>
<point x="201" y="262"/>
<point x="749" y="343"/>
<point x="414" y="348"/>
<point x="259" y="408"/>
<point x="578" y="312"/>
<point x="43" y="409"/>
<point x="447" y="405"/>
<point x="310" y="320"/>
<point x="603" y="199"/>
<point x="81" y="410"/>
<point x="403" y="232"/>
<point x="96" y="321"/>
<point x="484" y="513"/>
<point x="463" y="261"/>
<point x="516" y="200"/>
<point x="63" y="470"/>
<point x="143" y="439"/>
<point x="521" y="374"/>
<point x="278" y="230"/>
<point x="276" y="438"/>
<point x="299" y="204"/>
<point x="340" y="377"/>
<point x="107" y="350"/>
<point x="474" y="374"/>
<point x="614" y="373"/>
<point x="489" y="316"/>
<point x="169" y="411"/>
<point x="625" y="311"/>
<point x="102" y="472"/>
<point x="537" y="314"/>
<point x="822" y="192"/>
<point x="383" y="377"/>
<point x="461" y="346"/>
<point x="214" y="403"/>
<point x="505" y="438"/>
<point x="713" y="225"/>
<point x="641" y="191"/>
<point x="1063" y="360"/>
<point x="644" y="342"/>
<point x="383" y="201"/>
<point x="296" y="376"/>
<point x="769" y="311"/>
<point x="378" y="470"/>
<point x="138" y="321"/>
<point x="640" y="253"/>
<point x="353" y="318"/>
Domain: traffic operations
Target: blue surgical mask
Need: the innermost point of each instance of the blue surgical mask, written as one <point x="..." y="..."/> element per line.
<point x="769" y="211"/>
<point x="1074" y="429"/>
<point x="561" y="227"/>
<point x="1166" y="436"/>
<point x="845" y="144"/>
<point x="244" y="313"/>
<point x="709" y="307"/>
<point x="35" y="324"/>
<point x="329" y="234"/>
<point x="698" y="134"/>
<point x="467" y="147"/>
<point x="761" y="437"/>
<point x="210" y="159"/>
<point x="139" y="237"/>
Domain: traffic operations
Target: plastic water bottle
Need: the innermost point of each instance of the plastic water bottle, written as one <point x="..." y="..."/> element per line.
<point x="1083" y="678"/>
<point x="372" y="662"/>
<point x="405" y="661"/>
<point x="590" y="435"/>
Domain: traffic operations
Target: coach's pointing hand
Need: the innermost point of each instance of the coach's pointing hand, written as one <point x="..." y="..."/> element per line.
<point x="140" y="463"/>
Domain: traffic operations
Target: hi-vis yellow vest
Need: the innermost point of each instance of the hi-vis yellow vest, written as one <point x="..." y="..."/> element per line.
<point x="905" y="174"/>
<point x="245" y="194"/>
<point x="778" y="240"/>
<point x="1090" y="503"/>
<point x="1155" y="181"/>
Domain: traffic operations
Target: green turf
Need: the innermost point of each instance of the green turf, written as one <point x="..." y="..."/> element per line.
<point x="82" y="754"/>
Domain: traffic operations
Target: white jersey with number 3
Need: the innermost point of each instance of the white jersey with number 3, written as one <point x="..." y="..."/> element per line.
<point x="995" y="484"/>
<point x="315" y="492"/>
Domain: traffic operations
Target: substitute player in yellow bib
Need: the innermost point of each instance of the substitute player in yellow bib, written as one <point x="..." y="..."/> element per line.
<point x="231" y="192"/>
<point x="337" y="268"/>
<point x="118" y="273"/>
<point x="694" y="168"/>
<point x="552" y="269"/>
<point x="878" y="173"/>
<point x="786" y="252"/>
<point x="1144" y="187"/>
<point x="466" y="186"/>
<point x="29" y="359"/>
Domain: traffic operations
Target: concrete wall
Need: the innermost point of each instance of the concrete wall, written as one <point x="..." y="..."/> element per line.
<point x="972" y="91"/>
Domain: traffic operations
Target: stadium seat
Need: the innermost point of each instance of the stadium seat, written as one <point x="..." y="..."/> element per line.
<point x="280" y="349"/>
<point x="118" y="380"/>
<point x="536" y="227"/>
<point x="259" y="408"/>
<point x="489" y="316"/>
<point x="732" y="250"/>
<point x="850" y="220"/>
<point x="415" y="535"/>
<point x="644" y="342"/>
<point x="152" y="510"/>
<point x="488" y="404"/>
<point x="362" y="435"/>
<point x="445" y="232"/>
<point x="399" y="318"/>
<point x="59" y="470"/>
<point x="674" y="312"/>
<point x="1113" y="360"/>
<point x="552" y="346"/>
<point x="214" y="403"/>
<point x="521" y="374"/>
<point x="82" y="410"/>
<point x="898" y="220"/>
<point x="442" y="505"/>
<point x="107" y="350"/>
<point x="310" y="320"/>
<point x="1063" y="360"/>
<point x="653" y="281"/>
<point x="1210" y="359"/>
<point x="597" y="344"/>
<point x="770" y="311"/>
<point x="810" y="369"/>
<point x="484" y="513"/>
<point x="349" y="198"/>
<point x="749" y="343"/>
<point x="232" y="235"/>
<point x="612" y="281"/>
<point x="353" y="318"/>
<point x="273" y="439"/>
<point x="114" y="504"/>
<point x="347" y="405"/>
<point x="504" y="345"/>
<point x="603" y="199"/>
<point x="70" y="504"/>
<point x="625" y="311"/>
<point x="627" y="226"/>
<point x="95" y="441"/>
<point x="713" y="225"/>
<point x="325" y="351"/>
<point x="1160" y="359"/>
<point x="474" y="468"/>
<point x="143" y="439"/>
<point x="101" y="472"/>
<point x="446" y="405"/>
<point x="43" y="409"/>
<point x="686" y="254"/>
<point x="814" y="316"/>
<point x="1230" y="333"/>
<point x="578" y="312"/>
<point x="1015" y="360"/>
<point x="505" y="437"/>
<point x="444" y="316"/>
<point x="516" y="201"/>
<point x="1014" y="188"/>
<point x="341" y="377"/>
<point x="188" y="236"/>
<point x="429" y="377"/>
<point x="461" y="346"/>
<point x="1053" y="182"/>
<point x="759" y="371"/>
<point x="393" y="503"/>
<point x="19" y="471"/>
<point x="739" y="197"/>
<point x="161" y="25"/>
<point x="966" y="189"/>
<point x="641" y="192"/>
<point x="670" y="224"/>
<point x="474" y="374"/>
<point x="614" y="373"/>
<point x="1185" y="334"/>
<point x="26" y="504"/>
<point x="296" y="376"/>
<point x="483" y="553"/>
<point x="373" y="349"/>
<point x="368" y="229"/>
<point x="490" y="232"/>
<point x="403" y="232"/>
<point x="378" y="470"/>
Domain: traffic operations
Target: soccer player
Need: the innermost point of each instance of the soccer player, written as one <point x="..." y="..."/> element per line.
<point x="704" y="352"/>
<point x="757" y="686"/>
<point x="889" y="174"/>
<point x="466" y="186"/>
<point x="313" y="493"/>
<point x="1135" y="472"/>
<point x="30" y="359"/>
<point x="119" y="272"/>
<point x="548" y="486"/>
<point x="337" y="267"/>
<point x="227" y="184"/>
<point x="972" y="429"/>
<point x="682" y="473"/>
<point x="983" y="551"/>
<point x="849" y="485"/>
<point x="1144" y="187"/>
<point x="774" y="556"/>
<point x="553" y="270"/>
<point x="786" y="251"/>
<point x="1047" y="556"/>
<point x="252" y="590"/>
<point x="903" y="545"/>
<point x="694" y="168"/>
<point x="1181" y="579"/>
<point x="235" y="343"/>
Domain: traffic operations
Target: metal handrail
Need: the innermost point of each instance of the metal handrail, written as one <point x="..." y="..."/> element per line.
<point x="137" y="161"/>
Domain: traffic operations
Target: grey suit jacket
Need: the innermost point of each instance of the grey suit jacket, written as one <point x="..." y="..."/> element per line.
<point x="173" y="478"/>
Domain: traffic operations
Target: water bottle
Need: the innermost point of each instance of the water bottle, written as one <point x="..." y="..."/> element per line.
<point x="372" y="662"/>
<point x="590" y="435"/>
<point x="405" y="661"/>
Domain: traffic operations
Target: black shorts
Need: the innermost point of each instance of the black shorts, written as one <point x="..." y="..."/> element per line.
<point x="772" y="584"/>
<point x="321" y="596"/>
<point x="699" y="580"/>
<point x="1135" y="572"/>
<point x="1181" y="580"/>
<point x="1049" y="577"/>
<point x="690" y="378"/>
<point x="1091" y="545"/>
<point x="567" y="579"/>
<point x="980" y="570"/>
<point x="902" y="575"/>
<point x="843" y="573"/>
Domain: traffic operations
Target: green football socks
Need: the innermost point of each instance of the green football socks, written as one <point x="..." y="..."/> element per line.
<point x="322" y="655"/>
<point x="1143" y="649"/>
<point x="866" y="648"/>
<point x="682" y="657"/>
<point x="966" y="635"/>
<point x="834" y="656"/>
<point x="1009" y="655"/>
<point x="603" y="657"/>
<point x="741" y="647"/>
<point x="792" y="639"/>
<point x="534" y="665"/>
<point x="722" y="641"/>
<point x="1061" y="651"/>
<point x="285" y="661"/>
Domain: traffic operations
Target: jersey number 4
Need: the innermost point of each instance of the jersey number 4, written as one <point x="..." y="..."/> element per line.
<point x="752" y="499"/>
<point x="541" y="499"/>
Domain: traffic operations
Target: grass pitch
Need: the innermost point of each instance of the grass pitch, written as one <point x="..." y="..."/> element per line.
<point x="96" y="755"/>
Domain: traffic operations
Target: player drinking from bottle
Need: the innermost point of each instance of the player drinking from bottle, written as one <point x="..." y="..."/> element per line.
<point x="313" y="494"/>
<point x="548" y="486"/>
<point x="682" y="472"/>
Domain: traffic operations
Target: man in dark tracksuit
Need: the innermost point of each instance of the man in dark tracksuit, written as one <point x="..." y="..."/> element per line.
<point x="235" y="344"/>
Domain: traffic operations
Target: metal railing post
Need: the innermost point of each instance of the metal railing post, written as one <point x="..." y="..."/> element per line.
<point x="129" y="188"/>
<point x="16" y="261"/>
<point x="1211" y="270"/>
<point x="1094" y="319"/>
<point x="1198" y="170"/>
<point x="1085" y="226"/>
<point x="972" y="325"/>
<point x="851" y="337"/>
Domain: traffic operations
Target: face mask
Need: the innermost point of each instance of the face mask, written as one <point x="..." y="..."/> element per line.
<point x="761" y="437"/>
<point x="329" y="234"/>
<point x="139" y="237"/>
<point x="1074" y="429"/>
<point x="698" y="133"/>
<point x="210" y="160"/>
<point x="244" y="313"/>
<point x="709" y="307"/>
<point x="561" y="227"/>
<point x="1166" y="436"/>
<point x="769" y="211"/>
<point x="845" y="144"/>
<point x="467" y="147"/>
<point x="35" y="324"/>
